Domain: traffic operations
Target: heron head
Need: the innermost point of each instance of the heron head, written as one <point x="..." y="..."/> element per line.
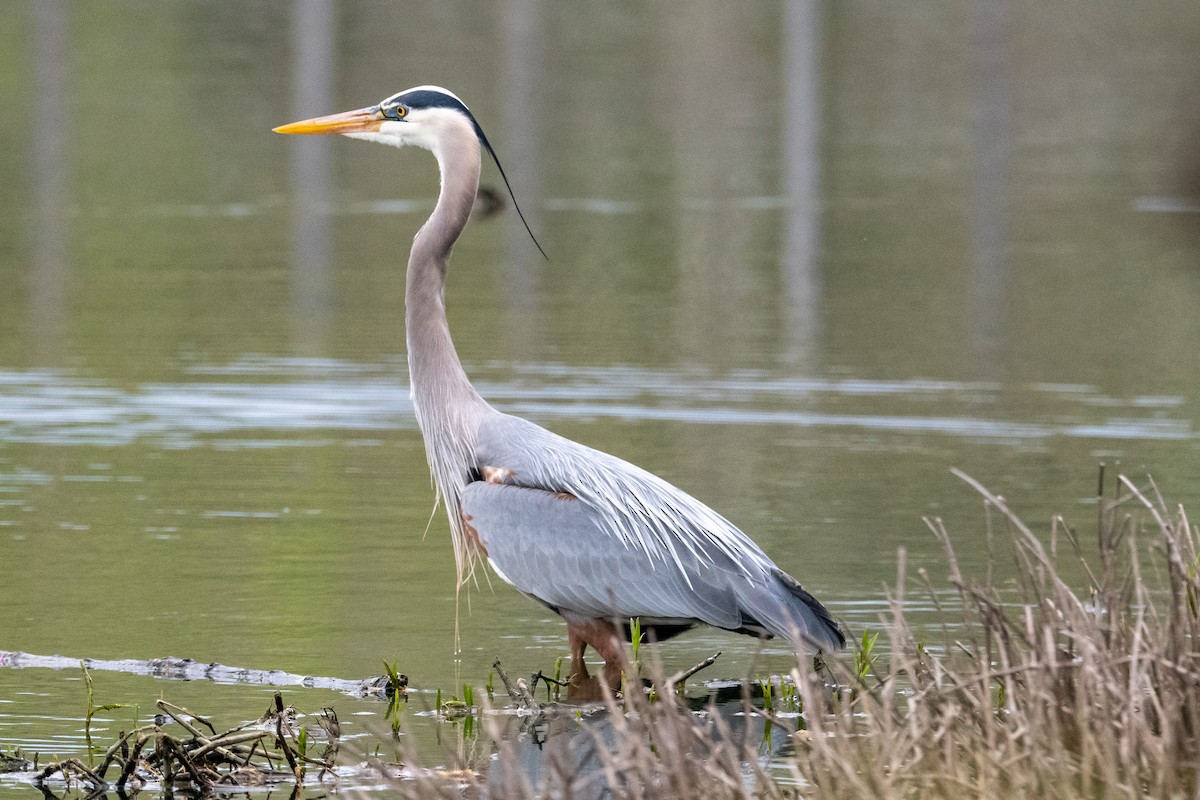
<point x="420" y="116"/>
<point x="425" y="116"/>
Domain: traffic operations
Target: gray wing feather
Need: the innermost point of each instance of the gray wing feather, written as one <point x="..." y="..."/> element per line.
<point x="555" y="549"/>
<point x="629" y="544"/>
<point x="638" y="508"/>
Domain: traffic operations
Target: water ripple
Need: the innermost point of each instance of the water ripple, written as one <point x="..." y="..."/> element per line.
<point x="286" y="400"/>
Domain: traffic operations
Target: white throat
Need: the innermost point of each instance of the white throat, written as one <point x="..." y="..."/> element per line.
<point x="427" y="128"/>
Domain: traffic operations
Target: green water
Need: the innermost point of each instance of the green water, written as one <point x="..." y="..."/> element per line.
<point x="803" y="260"/>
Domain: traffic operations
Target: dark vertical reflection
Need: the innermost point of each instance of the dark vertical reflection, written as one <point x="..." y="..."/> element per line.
<point x="521" y="111"/>
<point x="712" y="53"/>
<point x="991" y="121"/>
<point x="50" y="170"/>
<point x="801" y="262"/>
<point x="313" y="30"/>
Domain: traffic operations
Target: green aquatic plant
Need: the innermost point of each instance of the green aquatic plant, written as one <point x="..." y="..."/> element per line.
<point x="635" y="647"/>
<point x="864" y="656"/>
<point x="768" y="694"/>
<point x="397" y="694"/>
<point x="92" y="710"/>
<point x="558" y="681"/>
<point x="790" y="697"/>
<point x="396" y="681"/>
<point x="635" y="640"/>
<point x="455" y="708"/>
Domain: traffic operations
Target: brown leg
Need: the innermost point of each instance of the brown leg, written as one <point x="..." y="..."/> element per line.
<point x="579" y="671"/>
<point x="603" y="637"/>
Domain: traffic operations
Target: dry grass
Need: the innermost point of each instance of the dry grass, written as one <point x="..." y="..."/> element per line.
<point x="1059" y="692"/>
<point x="1050" y="691"/>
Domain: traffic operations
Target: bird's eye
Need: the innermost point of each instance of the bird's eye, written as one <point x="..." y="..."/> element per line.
<point x="399" y="111"/>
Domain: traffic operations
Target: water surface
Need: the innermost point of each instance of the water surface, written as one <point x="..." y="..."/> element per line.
<point x="804" y="259"/>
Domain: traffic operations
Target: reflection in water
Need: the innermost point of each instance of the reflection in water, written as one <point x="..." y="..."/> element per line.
<point x="50" y="166"/>
<point x="313" y="70"/>
<point x="992" y="127"/>
<point x="524" y="91"/>
<point x="716" y="307"/>
<point x="716" y="243"/>
<point x="563" y="752"/>
<point x="800" y="261"/>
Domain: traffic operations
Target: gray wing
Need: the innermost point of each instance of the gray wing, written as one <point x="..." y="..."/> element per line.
<point x="591" y="535"/>
<point x="632" y="505"/>
<point x="552" y="546"/>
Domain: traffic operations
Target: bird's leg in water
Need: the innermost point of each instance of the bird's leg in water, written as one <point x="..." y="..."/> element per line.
<point x="603" y="637"/>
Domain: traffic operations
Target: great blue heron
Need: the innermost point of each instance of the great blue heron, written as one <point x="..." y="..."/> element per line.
<point x="594" y="538"/>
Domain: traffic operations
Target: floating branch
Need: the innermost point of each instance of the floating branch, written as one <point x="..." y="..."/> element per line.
<point x="204" y="759"/>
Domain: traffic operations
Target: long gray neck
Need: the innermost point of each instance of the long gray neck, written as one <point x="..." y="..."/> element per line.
<point x="438" y="380"/>
<point x="448" y="407"/>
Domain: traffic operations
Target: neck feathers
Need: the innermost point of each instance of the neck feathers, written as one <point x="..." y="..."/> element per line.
<point x="452" y="140"/>
<point x="447" y="406"/>
<point x="438" y="380"/>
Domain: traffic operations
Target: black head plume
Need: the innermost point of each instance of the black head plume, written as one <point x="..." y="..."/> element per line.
<point x="434" y="97"/>
<point x="488" y="146"/>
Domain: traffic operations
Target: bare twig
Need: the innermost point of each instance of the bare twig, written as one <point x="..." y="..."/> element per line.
<point x="70" y="765"/>
<point x="518" y="692"/>
<point x="131" y="762"/>
<point x="179" y="714"/>
<point x="679" y="677"/>
<point x="280" y="712"/>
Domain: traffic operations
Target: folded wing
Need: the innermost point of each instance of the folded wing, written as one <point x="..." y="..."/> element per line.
<point x="559" y="549"/>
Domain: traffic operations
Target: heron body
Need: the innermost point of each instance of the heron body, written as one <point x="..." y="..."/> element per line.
<point x="592" y="537"/>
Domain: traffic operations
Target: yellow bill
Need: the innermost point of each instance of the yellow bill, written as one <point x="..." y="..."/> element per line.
<point x="357" y="121"/>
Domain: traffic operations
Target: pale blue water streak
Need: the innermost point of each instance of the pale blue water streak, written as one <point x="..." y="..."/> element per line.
<point x="290" y="397"/>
